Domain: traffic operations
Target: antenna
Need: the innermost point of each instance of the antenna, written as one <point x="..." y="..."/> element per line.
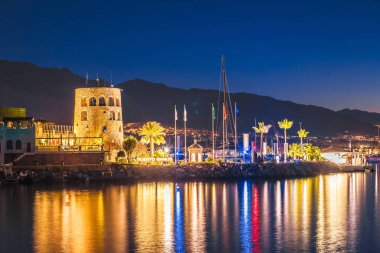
<point x="97" y="79"/>
<point x="111" y="79"/>
<point x="86" y="78"/>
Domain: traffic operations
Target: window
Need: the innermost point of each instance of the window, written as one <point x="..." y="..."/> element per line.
<point x="111" y="101"/>
<point x="83" y="102"/>
<point x="102" y="101"/>
<point x="112" y="115"/>
<point x="10" y="124"/>
<point x="120" y="129"/>
<point x="118" y="116"/>
<point x="93" y="101"/>
<point x="83" y="116"/>
<point x="9" y="145"/>
<point x="117" y="102"/>
<point x="18" y="145"/>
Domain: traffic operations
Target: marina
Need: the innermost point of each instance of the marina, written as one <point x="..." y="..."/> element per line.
<point x="307" y="214"/>
<point x="189" y="126"/>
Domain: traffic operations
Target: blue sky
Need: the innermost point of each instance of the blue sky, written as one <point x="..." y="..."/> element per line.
<point x="315" y="52"/>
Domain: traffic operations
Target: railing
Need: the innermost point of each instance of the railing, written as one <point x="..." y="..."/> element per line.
<point x="69" y="148"/>
<point x="69" y="144"/>
<point x="57" y="128"/>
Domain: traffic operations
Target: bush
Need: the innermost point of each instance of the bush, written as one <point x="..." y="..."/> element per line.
<point x="209" y="160"/>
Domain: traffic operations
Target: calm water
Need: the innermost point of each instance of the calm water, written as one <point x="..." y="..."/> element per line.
<point x="327" y="213"/>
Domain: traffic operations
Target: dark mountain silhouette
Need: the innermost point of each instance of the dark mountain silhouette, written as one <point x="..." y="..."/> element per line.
<point x="368" y="117"/>
<point x="48" y="93"/>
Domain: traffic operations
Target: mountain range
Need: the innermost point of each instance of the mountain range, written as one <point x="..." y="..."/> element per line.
<point x="48" y="93"/>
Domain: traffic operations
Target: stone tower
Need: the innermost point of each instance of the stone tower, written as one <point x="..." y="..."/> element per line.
<point x="98" y="113"/>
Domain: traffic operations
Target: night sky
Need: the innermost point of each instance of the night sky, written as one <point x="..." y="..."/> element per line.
<point x="315" y="52"/>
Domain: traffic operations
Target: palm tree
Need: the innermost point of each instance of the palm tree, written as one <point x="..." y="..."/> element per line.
<point x="302" y="134"/>
<point x="262" y="129"/>
<point x="285" y="124"/>
<point x="152" y="133"/>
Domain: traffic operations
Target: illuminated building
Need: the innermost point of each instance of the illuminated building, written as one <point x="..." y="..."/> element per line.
<point x="195" y="152"/>
<point x="17" y="136"/>
<point x="98" y="113"/>
<point x="97" y="131"/>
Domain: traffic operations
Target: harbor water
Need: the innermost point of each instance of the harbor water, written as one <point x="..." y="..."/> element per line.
<point x="330" y="213"/>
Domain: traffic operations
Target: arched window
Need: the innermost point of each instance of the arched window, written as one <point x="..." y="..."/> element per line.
<point x="111" y="101"/>
<point x="117" y="102"/>
<point x="83" y="102"/>
<point x="112" y="115"/>
<point x="93" y="101"/>
<point x="118" y="116"/>
<point x="102" y="101"/>
<point x="9" y="145"/>
<point x="18" y="145"/>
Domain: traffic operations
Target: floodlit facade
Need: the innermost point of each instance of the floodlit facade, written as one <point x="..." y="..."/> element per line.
<point x="195" y="153"/>
<point x="98" y="113"/>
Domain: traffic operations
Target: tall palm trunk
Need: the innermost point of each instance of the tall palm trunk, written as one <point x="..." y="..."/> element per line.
<point x="151" y="147"/>
<point x="285" y="136"/>
<point x="285" y="147"/>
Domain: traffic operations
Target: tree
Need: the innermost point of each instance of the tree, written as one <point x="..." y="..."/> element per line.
<point x="140" y="150"/>
<point x="295" y="150"/>
<point x="120" y="154"/>
<point x="129" y="144"/>
<point x="285" y="124"/>
<point x="302" y="134"/>
<point x="152" y="133"/>
<point x="262" y="129"/>
<point x="160" y="153"/>
<point x="313" y="153"/>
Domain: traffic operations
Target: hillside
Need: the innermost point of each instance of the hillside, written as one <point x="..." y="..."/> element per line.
<point x="48" y="93"/>
<point x="368" y="117"/>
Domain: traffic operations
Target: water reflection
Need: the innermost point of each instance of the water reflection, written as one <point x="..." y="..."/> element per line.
<point x="245" y="217"/>
<point x="326" y="213"/>
<point x="178" y="227"/>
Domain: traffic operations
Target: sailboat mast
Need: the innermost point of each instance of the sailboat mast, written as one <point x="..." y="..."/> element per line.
<point x="235" y="140"/>
<point x="175" y="134"/>
<point x="255" y="134"/>
<point x="213" y="131"/>
<point x="223" y="142"/>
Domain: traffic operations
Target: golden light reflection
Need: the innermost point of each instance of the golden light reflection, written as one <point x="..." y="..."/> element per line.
<point x="154" y="217"/>
<point x="65" y="221"/>
<point x="279" y="213"/>
<point x="315" y="214"/>
<point x="195" y="223"/>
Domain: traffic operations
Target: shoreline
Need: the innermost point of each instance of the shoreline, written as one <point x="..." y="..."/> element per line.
<point x="116" y="173"/>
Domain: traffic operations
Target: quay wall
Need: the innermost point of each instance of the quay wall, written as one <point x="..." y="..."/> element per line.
<point x="116" y="173"/>
<point x="59" y="158"/>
